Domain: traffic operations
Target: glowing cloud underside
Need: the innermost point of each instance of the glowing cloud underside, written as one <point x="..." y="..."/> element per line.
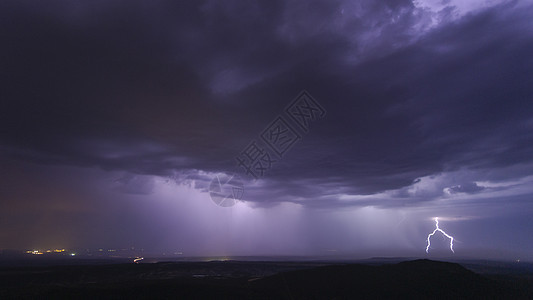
<point x="442" y="231"/>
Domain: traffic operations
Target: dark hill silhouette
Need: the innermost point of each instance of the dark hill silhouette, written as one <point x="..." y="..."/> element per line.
<point x="407" y="280"/>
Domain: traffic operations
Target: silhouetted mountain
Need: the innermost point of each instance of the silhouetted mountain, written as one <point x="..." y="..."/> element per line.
<point x="406" y="280"/>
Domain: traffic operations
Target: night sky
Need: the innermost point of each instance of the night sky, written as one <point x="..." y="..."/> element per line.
<point x="115" y="116"/>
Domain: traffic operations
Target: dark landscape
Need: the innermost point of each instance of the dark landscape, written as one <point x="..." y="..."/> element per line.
<point x="369" y="279"/>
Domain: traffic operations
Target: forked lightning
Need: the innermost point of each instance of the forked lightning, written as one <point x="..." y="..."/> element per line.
<point x="442" y="231"/>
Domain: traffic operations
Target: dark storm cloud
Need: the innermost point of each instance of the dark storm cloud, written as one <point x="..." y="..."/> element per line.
<point x="181" y="88"/>
<point x="135" y="184"/>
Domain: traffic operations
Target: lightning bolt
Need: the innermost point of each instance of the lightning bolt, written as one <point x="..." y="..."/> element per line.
<point x="442" y="231"/>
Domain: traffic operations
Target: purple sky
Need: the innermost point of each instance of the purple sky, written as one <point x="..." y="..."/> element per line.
<point x="116" y="115"/>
